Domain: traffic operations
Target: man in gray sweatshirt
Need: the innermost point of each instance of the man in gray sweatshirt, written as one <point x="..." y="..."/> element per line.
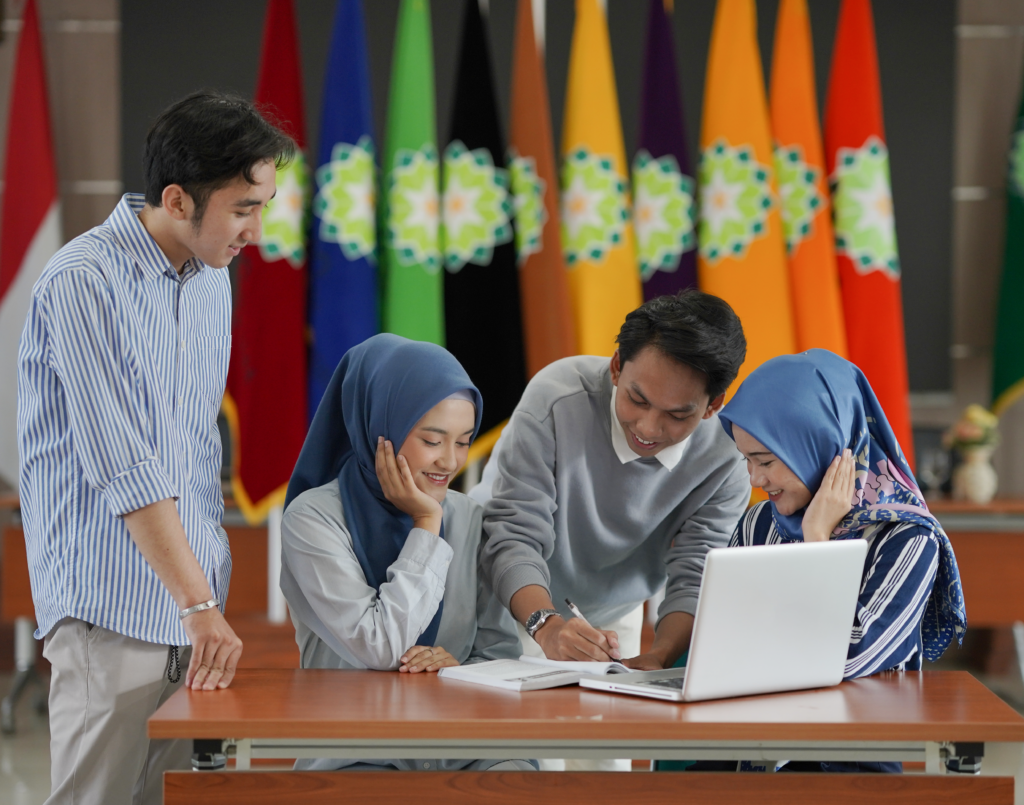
<point x="615" y="477"/>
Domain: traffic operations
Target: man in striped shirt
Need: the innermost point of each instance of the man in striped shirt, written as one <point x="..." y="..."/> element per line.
<point x="121" y="370"/>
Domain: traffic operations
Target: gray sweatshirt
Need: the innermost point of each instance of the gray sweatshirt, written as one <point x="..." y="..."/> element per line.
<point x="568" y="515"/>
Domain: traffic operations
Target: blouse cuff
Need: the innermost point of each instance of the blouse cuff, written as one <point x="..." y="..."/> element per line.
<point x="429" y="550"/>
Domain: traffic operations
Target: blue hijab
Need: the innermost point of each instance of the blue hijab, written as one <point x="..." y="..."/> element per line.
<point x="807" y="409"/>
<point x="382" y="387"/>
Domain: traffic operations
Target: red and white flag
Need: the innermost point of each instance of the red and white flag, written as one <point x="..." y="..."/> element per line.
<point x="30" y="226"/>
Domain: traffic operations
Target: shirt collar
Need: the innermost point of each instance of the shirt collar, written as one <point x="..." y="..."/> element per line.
<point x="130" y="232"/>
<point x="668" y="457"/>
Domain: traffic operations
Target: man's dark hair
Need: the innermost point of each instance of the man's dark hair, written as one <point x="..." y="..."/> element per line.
<point x="692" y="327"/>
<point x="204" y="142"/>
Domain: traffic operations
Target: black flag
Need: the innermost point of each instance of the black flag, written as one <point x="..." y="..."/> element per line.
<point x="481" y="288"/>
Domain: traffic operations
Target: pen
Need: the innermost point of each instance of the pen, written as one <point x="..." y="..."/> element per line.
<point x="573" y="609"/>
<point x="576" y="612"/>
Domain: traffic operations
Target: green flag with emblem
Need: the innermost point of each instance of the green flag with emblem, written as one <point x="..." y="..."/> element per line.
<point x="1008" y="354"/>
<point x="413" y="299"/>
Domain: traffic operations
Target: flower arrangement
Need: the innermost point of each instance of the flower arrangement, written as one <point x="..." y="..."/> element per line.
<point x="975" y="428"/>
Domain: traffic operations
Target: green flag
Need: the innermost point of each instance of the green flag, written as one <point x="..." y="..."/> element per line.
<point x="413" y="303"/>
<point x="1008" y="354"/>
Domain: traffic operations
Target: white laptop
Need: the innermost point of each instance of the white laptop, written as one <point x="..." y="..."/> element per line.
<point x="769" y="618"/>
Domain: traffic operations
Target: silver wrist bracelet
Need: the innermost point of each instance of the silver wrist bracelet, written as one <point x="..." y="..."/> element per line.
<point x="213" y="602"/>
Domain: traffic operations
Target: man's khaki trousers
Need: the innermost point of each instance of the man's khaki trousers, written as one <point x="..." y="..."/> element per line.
<point x="103" y="688"/>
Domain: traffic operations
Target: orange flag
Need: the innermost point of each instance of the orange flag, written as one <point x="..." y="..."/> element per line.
<point x="869" y="265"/>
<point x="549" y="332"/>
<point x="741" y="246"/>
<point x="803" y="192"/>
<point x="597" y="234"/>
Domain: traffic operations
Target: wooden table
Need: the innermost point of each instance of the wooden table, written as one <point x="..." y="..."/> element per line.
<point x="988" y="540"/>
<point x="352" y="714"/>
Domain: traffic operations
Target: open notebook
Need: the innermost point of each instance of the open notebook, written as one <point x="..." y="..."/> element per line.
<point x="529" y="673"/>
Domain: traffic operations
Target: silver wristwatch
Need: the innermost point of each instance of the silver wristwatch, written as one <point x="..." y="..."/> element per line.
<point x="537" y="619"/>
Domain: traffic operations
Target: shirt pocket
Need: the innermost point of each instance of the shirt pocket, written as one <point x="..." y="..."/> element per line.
<point x="208" y="364"/>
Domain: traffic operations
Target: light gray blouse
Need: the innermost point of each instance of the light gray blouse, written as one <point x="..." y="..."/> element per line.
<point x="342" y="622"/>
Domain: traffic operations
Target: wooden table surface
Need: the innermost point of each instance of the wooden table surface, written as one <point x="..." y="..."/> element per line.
<point x="323" y="704"/>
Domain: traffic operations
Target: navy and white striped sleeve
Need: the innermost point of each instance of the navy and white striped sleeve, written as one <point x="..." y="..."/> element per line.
<point x="898" y="577"/>
<point x="753" y="527"/>
<point x="94" y="359"/>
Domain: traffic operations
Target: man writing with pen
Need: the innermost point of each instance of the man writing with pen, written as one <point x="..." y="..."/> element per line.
<point x="612" y="480"/>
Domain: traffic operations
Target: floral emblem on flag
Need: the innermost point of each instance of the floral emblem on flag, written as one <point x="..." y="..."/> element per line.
<point x="735" y="199"/>
<point x="476" y="208"/>
<point x="345" y="201"/>
<point x="800" y="199"/>
<point x="413" y="208"/>
<point x="862" y="199"/>
<point x="1017" y="163"/>
<point x="528" y="200"/>
<point x="284" y="217"/>
<point x="663" y="212"/>
<point x="593" y="206"/>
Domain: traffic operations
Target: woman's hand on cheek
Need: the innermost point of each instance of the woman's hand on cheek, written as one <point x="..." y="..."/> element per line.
<point x="400" y="489"/>
<point x="426" y="658"/>
<point x="832" y="501"/>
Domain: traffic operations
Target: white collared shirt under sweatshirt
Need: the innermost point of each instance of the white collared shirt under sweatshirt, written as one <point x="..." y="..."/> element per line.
<point x="572" y="511"/>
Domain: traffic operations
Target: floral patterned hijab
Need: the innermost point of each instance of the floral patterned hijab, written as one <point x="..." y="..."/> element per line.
<point x="807" y="409"/>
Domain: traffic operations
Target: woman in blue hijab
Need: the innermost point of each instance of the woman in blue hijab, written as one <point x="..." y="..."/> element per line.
<point x="379" y="558"/>
<point x="817" y="442"/>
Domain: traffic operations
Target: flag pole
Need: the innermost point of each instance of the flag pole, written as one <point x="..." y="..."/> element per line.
<point x="277" y="610"/>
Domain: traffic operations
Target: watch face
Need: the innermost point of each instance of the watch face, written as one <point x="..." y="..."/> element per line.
<point x="537" y="618"/>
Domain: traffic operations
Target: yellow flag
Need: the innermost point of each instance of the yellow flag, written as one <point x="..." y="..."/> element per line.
<point x="597" y="236"/>
<point x="742" y="249"/>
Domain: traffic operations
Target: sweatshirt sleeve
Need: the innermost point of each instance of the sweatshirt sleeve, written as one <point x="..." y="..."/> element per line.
<point x="519" y="524"/>
<point x="709" y="527"/>
<point x="496" y="635"/>
<point x="375" y="627"/>
<point x="899" y="574"/>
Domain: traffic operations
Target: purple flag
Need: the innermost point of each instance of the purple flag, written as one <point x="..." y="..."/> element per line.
<point x="664" y="191"/>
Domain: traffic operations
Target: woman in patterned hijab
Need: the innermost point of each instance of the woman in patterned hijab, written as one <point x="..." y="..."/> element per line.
<point x="817" y="441"/>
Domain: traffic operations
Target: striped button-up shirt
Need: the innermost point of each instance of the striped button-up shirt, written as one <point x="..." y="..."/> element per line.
<point x="121" y="371"/>
<point x="899" y="573"/>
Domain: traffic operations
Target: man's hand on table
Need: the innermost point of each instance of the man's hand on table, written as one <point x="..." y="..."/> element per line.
<point x="576" y="640"/>
<point x="216" y="650"/>
<point x="671" y="639"/>
<point x="645" y="662"/>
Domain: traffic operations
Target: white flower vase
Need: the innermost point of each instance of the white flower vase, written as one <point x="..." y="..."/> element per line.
<point x="975" y="480"/>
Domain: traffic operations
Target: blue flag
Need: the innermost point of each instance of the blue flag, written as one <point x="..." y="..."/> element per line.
<point x="343" y="272"/>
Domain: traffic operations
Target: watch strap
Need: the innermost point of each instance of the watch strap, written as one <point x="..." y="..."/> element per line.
<point x="538" y="619"/>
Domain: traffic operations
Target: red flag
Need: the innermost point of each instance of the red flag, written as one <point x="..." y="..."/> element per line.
<point x="858" y="167"/>
<point x="265" y="402"/>
<point x="30" y="225"/>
